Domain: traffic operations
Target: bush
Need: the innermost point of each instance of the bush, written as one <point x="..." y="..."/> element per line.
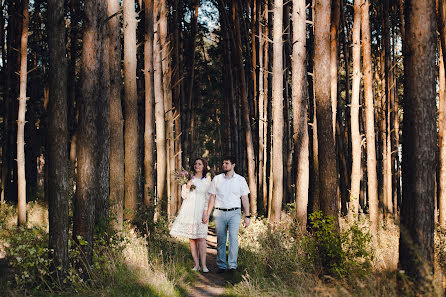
<point x="32" y="261"/>
<point x="29" y="257"/>
<point x="337" y="254"/>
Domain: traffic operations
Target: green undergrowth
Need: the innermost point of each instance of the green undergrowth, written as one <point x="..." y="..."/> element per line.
<point x="127" y="263"/>
<point x="280" y="261"/>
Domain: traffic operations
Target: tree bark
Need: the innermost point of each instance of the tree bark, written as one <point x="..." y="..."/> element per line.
<point x="419" y="145"/>
<point x="102" y="202"/>
<point x="372" y="189"/>
<point x="131" y="109"/>
<point x="387" y="160"/>
<point x="161" y="162"/>
<point x="149" y="187"/>
<point x="265" y="105"/>
<point x="277" y="113"/>
<point x="86" y="183"/>
<point x="334" y="41"/>
<point x="442" y="116"/>
<point x="299" y="102"/>
<point x="117" y="180"/>
<point x="262" y="43"/>
<point x="167" y="90"/>
<point x="58" y="137"/>
<point x="326" y="145"/>
<point x="21" y="180"/>
<point x="245" y="111"/>
<point x="356" y="136"/>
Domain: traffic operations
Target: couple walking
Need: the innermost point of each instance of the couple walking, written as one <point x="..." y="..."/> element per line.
<point x="226" y="193"/>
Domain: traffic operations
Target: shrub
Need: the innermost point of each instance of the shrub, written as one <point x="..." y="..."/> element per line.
<point x="32" y="261"/>
<point x="337" y="254"/>
<point x="29" y="257"/>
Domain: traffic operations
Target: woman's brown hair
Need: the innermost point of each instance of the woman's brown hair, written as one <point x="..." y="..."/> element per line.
<point x="205" y="166"/>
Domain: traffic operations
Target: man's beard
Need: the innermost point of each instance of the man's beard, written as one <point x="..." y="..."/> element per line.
<point x="226" y="170"/>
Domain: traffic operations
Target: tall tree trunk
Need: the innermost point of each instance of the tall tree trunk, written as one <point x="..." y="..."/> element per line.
<point x="334" y="40"/>
<point x="58" y="137"/>
<point x="86" y="183"/>
<point x="21" y="180"/>
<point x="442" y="115"/>
<point x="277" y="113"/>
<point x="386" y="137"/>
<point x="288" y="137"/>
<point x="116" y="119"/>
<point x="254" y="34"/>
<point x="160" y="130"/>
<point x="245" y="111"/>
<point x="327" y="168"/>
<point x="167" y="91"/>
<point x="419" y="145"/>
<point x="356" y="136"/>
<point x="372" y="190"/>
<point x="177" y="90"/>
<point x="265" y="104"/>
<point x="300" y="97"/>
<point x="131" y="109"/>
<point x="262" y="143"/>
<point x="72" y="112"/>
<point x="149" y="187"/>
<point x="102" y="202"/>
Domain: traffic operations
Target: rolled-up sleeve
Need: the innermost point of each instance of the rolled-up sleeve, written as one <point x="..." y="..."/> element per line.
<point x="213" y="186"/>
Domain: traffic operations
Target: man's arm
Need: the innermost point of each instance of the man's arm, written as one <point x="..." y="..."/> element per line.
<point x="207" y="212"/>
<point x="245" y="202"/>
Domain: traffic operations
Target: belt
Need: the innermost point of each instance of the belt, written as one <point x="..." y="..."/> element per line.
<point x="227" y="209"/>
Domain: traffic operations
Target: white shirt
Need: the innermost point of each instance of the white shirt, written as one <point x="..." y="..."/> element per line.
<point x="228" y="190"/>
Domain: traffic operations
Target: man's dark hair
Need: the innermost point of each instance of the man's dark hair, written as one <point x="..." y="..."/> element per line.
<point x="229" y="158"/>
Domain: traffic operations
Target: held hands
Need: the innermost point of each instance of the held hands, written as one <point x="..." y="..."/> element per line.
<point x="205" y="218"/>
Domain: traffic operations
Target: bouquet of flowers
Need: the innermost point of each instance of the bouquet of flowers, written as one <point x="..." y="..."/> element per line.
<point x="183" y="176"/>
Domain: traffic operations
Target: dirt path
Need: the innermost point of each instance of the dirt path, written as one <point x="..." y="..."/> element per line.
<point x="211" y="283"/>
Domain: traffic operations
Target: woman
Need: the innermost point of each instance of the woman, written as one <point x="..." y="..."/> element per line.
<point x="189" y="220"/>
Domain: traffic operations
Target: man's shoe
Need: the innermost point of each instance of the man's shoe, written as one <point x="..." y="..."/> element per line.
<point x="220" y="271"/>
<point x="232" y="270"/>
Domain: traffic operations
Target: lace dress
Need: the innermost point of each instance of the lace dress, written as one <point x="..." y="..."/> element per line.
<point x="188" y="222"/>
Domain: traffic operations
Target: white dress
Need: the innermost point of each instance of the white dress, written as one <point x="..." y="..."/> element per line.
<point x="188" y="222"/>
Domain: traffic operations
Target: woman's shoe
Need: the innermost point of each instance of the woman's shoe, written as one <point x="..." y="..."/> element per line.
<point x="205" y="270"/>
<point x="197" y="268"/>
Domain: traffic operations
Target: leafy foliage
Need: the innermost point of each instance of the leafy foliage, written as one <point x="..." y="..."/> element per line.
<point x="32" y="262"/>
<point x="337" y="254"/>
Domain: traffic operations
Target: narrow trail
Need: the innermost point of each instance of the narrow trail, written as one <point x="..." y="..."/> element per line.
<point x="211" y="283"/>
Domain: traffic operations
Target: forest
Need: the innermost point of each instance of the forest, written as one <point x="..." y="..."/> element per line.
<point x="334" y="111"/>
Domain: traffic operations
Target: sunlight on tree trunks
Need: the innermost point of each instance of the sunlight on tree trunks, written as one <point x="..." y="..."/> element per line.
<point x="300" y="98"/>
<point x="326" y="146"/>
<point x="372" y="186"/>
<point x="277" y="114"/>
<point x="21" y="179"/>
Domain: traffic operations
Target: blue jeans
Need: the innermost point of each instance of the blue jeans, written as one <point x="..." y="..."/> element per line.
<point x="227" y="221"/>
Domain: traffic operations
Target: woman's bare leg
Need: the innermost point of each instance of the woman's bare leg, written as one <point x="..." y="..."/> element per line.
<point x="202" y="250"/>
<point x="194" y="252"/>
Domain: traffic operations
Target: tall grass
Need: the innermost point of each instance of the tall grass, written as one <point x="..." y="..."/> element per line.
<point x="125" y="263"/>
<point x="274" y="262"/>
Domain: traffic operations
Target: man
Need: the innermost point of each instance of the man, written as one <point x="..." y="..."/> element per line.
<point x="226" y="191"/>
